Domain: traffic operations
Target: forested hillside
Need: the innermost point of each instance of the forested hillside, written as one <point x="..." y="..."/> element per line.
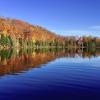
<point x="20" y="34"/>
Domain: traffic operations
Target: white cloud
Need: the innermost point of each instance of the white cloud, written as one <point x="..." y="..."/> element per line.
<point x="95" y="28"/>
<point x="78" y="32"/>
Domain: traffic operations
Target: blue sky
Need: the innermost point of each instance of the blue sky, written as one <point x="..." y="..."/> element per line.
<point x="65" y="17"/>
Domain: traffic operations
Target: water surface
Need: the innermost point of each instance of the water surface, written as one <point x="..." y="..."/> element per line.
<point x="49" y="74"/>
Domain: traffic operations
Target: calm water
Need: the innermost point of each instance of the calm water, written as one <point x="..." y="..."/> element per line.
<point x="49" y="75"/>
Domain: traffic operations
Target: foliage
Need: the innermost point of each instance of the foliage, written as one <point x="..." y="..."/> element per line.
<point x="16" y="33"/>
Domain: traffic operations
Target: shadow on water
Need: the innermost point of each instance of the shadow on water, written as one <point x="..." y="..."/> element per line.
<point x="16" y="61"/>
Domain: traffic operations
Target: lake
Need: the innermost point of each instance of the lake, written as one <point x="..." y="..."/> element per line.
<point x="50" y="74"/>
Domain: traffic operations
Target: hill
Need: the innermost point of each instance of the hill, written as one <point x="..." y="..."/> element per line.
<point x="17" y="33"/>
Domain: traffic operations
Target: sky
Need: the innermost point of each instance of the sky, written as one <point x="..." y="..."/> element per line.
<point x="64" y="17"/>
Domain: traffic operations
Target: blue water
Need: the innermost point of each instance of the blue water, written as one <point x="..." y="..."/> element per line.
<point x="63" y="78"/>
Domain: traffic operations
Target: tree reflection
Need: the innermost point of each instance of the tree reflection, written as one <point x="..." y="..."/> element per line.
<point x="16" y="61"/>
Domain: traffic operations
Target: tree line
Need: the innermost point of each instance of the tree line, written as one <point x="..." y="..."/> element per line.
<point x="19" y="34"/>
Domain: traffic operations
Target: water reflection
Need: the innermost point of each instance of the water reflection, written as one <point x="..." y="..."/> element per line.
<point x="15" y="61"/>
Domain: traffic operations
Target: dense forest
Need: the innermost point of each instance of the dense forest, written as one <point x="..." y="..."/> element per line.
<point x="19" y="34"/>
